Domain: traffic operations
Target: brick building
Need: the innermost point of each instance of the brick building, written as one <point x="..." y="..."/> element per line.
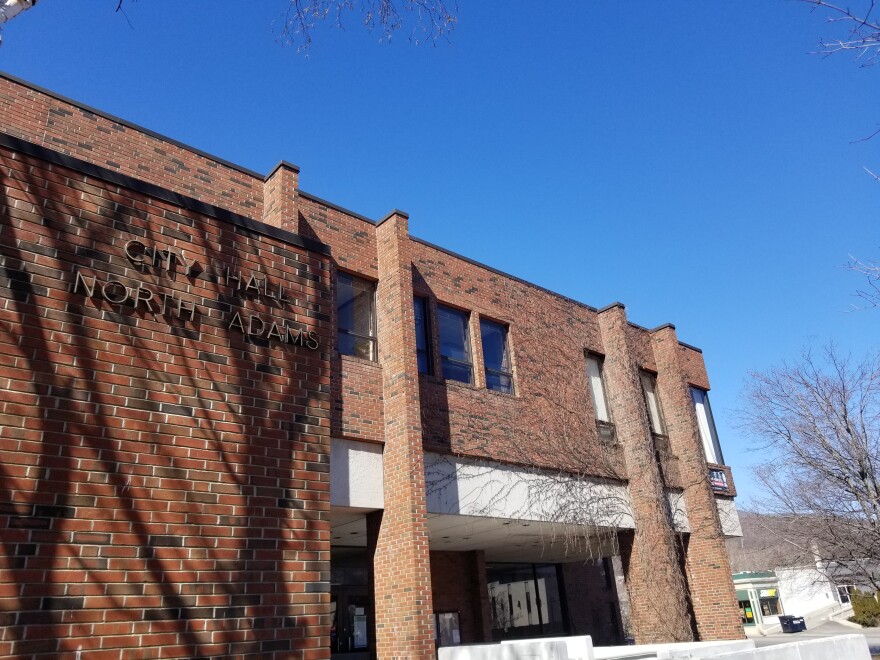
<point x="240" y="421"/>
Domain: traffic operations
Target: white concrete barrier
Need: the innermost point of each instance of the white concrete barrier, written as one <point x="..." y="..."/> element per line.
<point x="842" y="647"/>
<point x="527" y="650"/>
<point x="579" y="647"/>
<point x="676" y="650"/>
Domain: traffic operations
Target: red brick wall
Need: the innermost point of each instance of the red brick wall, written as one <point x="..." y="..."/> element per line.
<point x="592" y="603"/>
<point x="155" y="469"/>
<point x="458" y="580"/>
<point x="70" y="129"/>
<point x="548" y="422"/>
<point x="402" y="567"/>
<point x="712" y="594"/>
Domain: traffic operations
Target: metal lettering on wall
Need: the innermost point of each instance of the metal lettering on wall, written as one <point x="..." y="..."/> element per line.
<point x="163" y="303"/>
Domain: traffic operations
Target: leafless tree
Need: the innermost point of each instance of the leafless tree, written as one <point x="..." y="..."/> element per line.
<point x="427" y="20"/>
<point x="855" y="30"/>
<point x="817" y="424"/>
<point x="871" y="271"/>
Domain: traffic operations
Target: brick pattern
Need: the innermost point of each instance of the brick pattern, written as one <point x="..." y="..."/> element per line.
<point x="120" y="361"/>
<point x="459" y="585"/>
<point x="593" y="606"/>
<point x="650" y="555"/>
<point x="402" y="568"/>
<point x="156" y="468"/>
<point x="711" y="592"/>
<point x="75" y="131"/>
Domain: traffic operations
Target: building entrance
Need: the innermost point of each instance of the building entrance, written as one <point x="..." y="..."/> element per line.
<point x="351" y="605"/>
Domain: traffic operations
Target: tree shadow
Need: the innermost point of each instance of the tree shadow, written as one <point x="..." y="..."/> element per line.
<point x="167" y="473"/>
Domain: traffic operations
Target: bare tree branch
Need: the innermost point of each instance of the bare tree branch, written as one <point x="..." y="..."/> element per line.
<point x="429" y="20"/>
<point x="859" y="32"/>
<point x="817" y="424"/>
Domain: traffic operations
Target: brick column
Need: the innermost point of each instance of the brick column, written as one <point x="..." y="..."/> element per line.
<point x="279" y="196"/>
<point x="708" y="570"/>
<point x="657" y="591"/>
<point x="481" y="597"/>
<point x="402" y="569"/>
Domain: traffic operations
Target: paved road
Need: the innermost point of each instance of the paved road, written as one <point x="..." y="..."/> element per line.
<point x="827" y="629"/>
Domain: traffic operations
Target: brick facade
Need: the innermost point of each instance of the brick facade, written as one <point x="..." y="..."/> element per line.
<point x="157" y="460"/>
<point x="165" y="473"/>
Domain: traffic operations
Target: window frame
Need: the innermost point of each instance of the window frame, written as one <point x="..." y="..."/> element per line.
<point x="441" y="309"/>
<point x="424" y="303"/>
<point x="710" y="425"/>
<point x="505" y="331"/>
<point x="371" y="339"/>
<point x="660" y="436"/>
<point x="605" y="428"/>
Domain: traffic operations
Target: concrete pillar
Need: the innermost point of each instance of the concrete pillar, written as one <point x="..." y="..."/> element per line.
<point x="708" y="569"/>
<point x="402" y="569"/>
<point x="654" y="580"/>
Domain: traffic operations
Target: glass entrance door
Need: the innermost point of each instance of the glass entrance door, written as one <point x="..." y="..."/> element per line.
<point x="350" y="632"/>
<point x="351" y="605"/>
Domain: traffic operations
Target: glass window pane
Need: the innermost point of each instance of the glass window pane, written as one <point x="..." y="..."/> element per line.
<point x="499" y="382"/>
<point x="649" y="386"/>
<point x="362" y="347"/>
<point x="355" y="313"/>
<point x="421" y="323"/>
<point x="594" y="374"/>
<point x="494" y="336"/>
<point x="423" y="330"/>
<point x="454" y="334"/>
<point x="456" y="371"/>
<point x="708" y="434"/>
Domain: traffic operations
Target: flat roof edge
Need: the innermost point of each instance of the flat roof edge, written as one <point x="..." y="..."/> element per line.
<point x="131" y="125"/>
<point x="158" y="192"/>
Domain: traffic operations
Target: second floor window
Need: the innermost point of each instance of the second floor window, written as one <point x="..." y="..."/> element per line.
<point x="356" y="316"/>
<point x="707" y="426"/>
<point x="496" y="356"/>
<point x="596" y="378"/>
<point x="423" y="335"/>
<point x="652" y="404"/>
<point x="455" y="345"/>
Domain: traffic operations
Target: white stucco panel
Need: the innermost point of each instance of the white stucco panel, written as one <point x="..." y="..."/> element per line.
<point x="471" y="488"/>
<point x="356" y="474"/>
<point x="729" y="517"/>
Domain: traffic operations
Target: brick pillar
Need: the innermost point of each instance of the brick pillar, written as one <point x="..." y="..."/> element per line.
<point x="657" y="592"/>
<point x="708" y="570"/>
<point x="402" y="569"/>
<point x="279" y="196"/>
<point x="482" y="610"/>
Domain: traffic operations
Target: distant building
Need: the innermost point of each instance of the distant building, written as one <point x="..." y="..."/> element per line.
<point x="238" y="420"/>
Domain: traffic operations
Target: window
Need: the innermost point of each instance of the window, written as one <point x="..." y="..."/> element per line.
<point x="845" y="592"/>
<point x="652" y="403"/>
<point x="707" y="426"/>
<point x="769" y="601"/>
<point x="455" y="345"/>
<point x="655" y="415"/>
<point x="423" y="335"/>
<point x="496" y="356"/>
<point x="596" y="378"/>
<point x="356" y="316"/>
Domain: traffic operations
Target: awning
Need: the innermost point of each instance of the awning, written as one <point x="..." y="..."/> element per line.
<point x="742" y="594"/>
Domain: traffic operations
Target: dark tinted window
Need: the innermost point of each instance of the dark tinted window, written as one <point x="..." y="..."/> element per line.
<point x="423" y="335"/>
<point x="356" y="316"/>
<point x="496" y="356"/>
<point x="455" y="345"/>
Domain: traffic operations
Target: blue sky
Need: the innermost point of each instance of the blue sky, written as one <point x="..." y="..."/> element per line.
<point x="690" y="159"/>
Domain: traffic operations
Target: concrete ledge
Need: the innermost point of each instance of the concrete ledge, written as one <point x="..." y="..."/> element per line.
<point x="844" y="647"/>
